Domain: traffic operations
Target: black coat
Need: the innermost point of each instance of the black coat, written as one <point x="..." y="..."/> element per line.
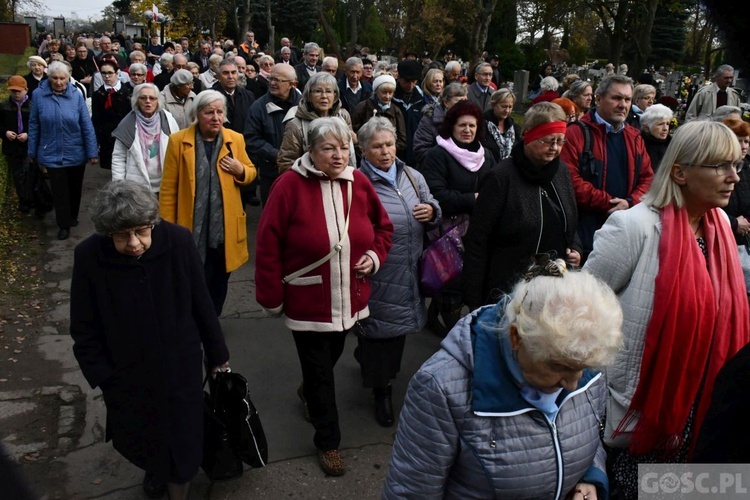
<point x="106" y="120"/>
<point x="9" y="121"/>
<point x="138" y="326"/>
<point x="655" y="148"/>
<point x="32" y="83"/>
<point x="237" y="107"/>
<point x="510" y="216"/>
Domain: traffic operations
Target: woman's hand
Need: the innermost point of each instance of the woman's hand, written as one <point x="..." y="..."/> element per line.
<point x="232" y="166"/>
<point x="583" y="491"/>
<point x="11" y="135"/>
<point x="364" y="266"/>
<point x="424" y="212"/>
<point x="23" y="137"/>
<point x="743" y="225"/>
<point x="220" y="368"/>
<point x="93" y="161"/>
<point x="572" y="257"/>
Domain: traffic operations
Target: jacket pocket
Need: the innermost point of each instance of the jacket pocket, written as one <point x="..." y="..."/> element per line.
<point x="242" y="228"/>
<point x="307" y="281"/>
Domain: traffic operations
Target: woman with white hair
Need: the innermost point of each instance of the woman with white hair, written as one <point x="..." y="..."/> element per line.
<point x="644" y="96"/>
<point x="655" y="126"/>
<point x="142" y="137"/>
<point x="204" y="167"/>
<point x="512" y="403"/>
<point x="548" y="87"/>
<point x="672" y="261"/>
<point x="37" y="72"/>
<point x="380" y="104"/>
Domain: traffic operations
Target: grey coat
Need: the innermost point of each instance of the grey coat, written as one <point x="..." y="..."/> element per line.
<point x="396" y="303"/>
<point x="455" y="442"/>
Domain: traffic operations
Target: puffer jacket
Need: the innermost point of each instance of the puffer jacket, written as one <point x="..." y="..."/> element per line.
<point x="426" y="134"/>
<point x="61" y="133"/>
<point x="296" y="124"/>
<point x="457" y="442"/>
<point x="396" y="303"/>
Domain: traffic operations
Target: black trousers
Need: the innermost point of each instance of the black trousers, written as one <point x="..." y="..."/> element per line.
<point x="66" y="184"/>
<point x="21" y="179"/>
<point x="380" y="360"/>
<point x="318" y="353"/>
<point x="217" y="277"/>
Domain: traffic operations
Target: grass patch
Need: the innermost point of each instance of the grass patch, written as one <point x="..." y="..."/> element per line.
<point x="13" y="64"/>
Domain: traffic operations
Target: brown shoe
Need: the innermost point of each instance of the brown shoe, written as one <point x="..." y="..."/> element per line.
<point x="301" y="394"/>
<point x="331" y="462"/>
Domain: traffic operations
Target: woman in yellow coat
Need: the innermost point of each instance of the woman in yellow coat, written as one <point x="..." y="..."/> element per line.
<point x="204" y="167"/>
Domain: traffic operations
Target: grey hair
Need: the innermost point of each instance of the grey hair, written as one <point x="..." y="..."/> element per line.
<point x="725" y="111"/>
<point x="351" y="62"/>
<point x="137" y="53"/>
<point x="205" y="98"/>
<point x="698" y="142"/>
<point x="325" y="126"/>
<point x="215" y="59"/>
<point x="373" y="126"/>
<point x="265" y="57"/>
<point x="227" y="62"/>
<point x="502" y="94"/>
<point x="166" y="58"/>
<point x="138" y="66"/>
<point x="56" y="67"/>
<point x="311" y="46"/>
<point x="724" y="68"/>
<point x="577" y="88"/>
<point x="654" y="113"/>
<point x="123" y="204"/>
<point x="285" y="49"/>
<point x="175" y="56"/>
<point x="610" y="80"/>
<point x="540" y="113"/>
<point x="454" y="89"/>
<point x="452" y="64"/>
<point x="318" y="79"/>
<point x="480" y="66"/>
<point x="573" y="318"/>
<point x="642" y="90"/>
<point x="137" y="93"/>
<point x="549" y="83"/>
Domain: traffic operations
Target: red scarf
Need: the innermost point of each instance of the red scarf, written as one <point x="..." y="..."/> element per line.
<point x="700" y="320"/>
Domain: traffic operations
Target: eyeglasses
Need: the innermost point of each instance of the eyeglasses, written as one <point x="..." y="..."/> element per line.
<point x="484" y="74"/>
<point x="273" y="79"/>
<point x="138" y="74"/>
<point x="723" y="167"/>
<point x="553" y="142"/>
<point x="322" y="92"/>
<point x="107" y="73"/>
<point x="147" y="98"/>
<point x="139" y="232"/>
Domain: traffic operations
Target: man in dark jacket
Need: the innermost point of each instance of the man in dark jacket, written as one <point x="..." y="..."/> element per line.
<point x="352" y="90"/>
<point x="14" y="128"/>
<point x="410" y="99"/>
<point x="239" y="100"/>
<point x="264" y="128"/>
<point x="201" y="57"/>
<point x="309" y="66"/>
<point x="616" y="170"/>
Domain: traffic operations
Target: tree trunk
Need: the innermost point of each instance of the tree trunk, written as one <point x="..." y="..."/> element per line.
<point x="483" y="17"/>
<point x="271" y="30"/>
<point x="618" y="33"/>
<point x="643" y="37"/>
<point x="327" y="29"/>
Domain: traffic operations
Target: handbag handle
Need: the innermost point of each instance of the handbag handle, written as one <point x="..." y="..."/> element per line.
<point x="336" y="248"/>
<point x="413" y="182"/>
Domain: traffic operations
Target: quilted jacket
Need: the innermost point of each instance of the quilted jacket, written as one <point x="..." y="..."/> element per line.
<point x="465" y="431"/>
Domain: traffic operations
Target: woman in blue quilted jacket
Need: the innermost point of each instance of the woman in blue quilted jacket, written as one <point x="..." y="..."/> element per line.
<point x="510" y="406"/>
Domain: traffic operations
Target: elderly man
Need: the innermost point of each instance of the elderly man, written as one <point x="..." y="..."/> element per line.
<point x="330" y="65"/>
<point x="264" y="129"/>
<point x="179" y="96"/>
<point x="710" y="97"/>
<point x="201" y="57"/>
<point x="452" y="72"/>
<point x="239" y="100"/>
<point x="481" y="90"/>
<point x="285" y="54"/>
<point x="249" y="43"/>
<point x="208" y="78"/>
<point x="410" y="99"/>
<point x="309" y="66"/>
<point x="352" y="90"/>
<point x="106" y="45"/>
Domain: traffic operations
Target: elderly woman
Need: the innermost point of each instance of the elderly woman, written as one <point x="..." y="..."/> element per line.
<point x="321" y="235"/>
<point x="141" y="139"/>
<point x="672" y="261"/>
<point x="138" y="73"/>
<point x="655" y="124"/>
<point x="502" y="132"/>
<point x="320" y="98"/>
<point x="548" y="86"/>
<point x="204" y="167"/>
<point x="138" y="57"/>
<point x="432" y="85"/>
<point x="61" y="140"/>
<point x="428" y="129"/>
<point x="397" y="306"/>
<point x="453" y="170"/>
<point x="138" y="318"/>
<point x="381" y="104"/>
<point x="179" y="98"/>
<point x="265" y="64"/>
<point x="83" y="65"/>
<point x="510" y="407"/>
<point x="525" y="206"/>
<point x="37" y="67"/>
<point x="581" y="92"/>
<point x="644" y="95"/>
<point x="109" y="104"/>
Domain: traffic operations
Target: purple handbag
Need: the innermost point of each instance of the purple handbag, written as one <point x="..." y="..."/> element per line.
<point x="442" y="261"/>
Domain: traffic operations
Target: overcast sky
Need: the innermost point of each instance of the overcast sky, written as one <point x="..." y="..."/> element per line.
<point x="84" y="8"/>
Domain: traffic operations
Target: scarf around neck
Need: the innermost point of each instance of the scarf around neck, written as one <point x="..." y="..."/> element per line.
<point x="470" y="160"/>
<point x="149" y="133"/>
<point x="700" y="320"/>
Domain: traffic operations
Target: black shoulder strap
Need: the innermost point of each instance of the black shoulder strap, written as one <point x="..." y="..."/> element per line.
<point x="585" y="159"/>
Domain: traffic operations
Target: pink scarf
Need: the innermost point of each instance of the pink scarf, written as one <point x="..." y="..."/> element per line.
<point x="470" y="160"/>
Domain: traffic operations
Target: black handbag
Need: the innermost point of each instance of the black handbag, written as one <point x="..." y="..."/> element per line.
<point x="232" y="429"/>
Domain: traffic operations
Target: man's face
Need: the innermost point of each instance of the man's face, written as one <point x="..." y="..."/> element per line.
<point x="285" y="42"/>
<point x="483" y="76"/>
<point x="250" y="37"/>
<point x="228" y="76"/>
<point x="285" y="55"/>
<point x="367" y="70"/>
<point x="281" y="81"/>
<point x="179" y="62"/>
<point x="614" y="106"/>
<point x="154" y="40"/>
<point x="205" y="49"/>
<point x="407" y="85"/>
<point x="96" y="43"/>
<point x="330" y="67"/>
<point x="311" y="57"/>
<point x="354" y="74"/>
<point x="106" y="44"/>
<point x="241" y="64"/>
<point x="725" y="80"/>
<point x="185" y="45"/>
<point x="495" y="63"/>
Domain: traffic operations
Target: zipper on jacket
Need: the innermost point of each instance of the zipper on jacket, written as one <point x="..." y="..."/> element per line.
<point x="558" y="459"/>
<point x="344" y="293"/>
<point x="541" y="216"/>
<point x="406" y="208"/>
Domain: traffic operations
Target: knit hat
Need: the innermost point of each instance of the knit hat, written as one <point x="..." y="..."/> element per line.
<point x="409" y="70"/>
<point x="38" y="59"/>
<point x="17" y="83"/>
<point x="381" y="80"/>
<point x="181" y="77"/>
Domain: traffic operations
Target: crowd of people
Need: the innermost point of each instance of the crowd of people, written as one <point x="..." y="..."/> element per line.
<point x="605" y="269"/>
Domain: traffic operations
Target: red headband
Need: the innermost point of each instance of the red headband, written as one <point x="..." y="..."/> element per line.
<point x="544" y="129"/>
